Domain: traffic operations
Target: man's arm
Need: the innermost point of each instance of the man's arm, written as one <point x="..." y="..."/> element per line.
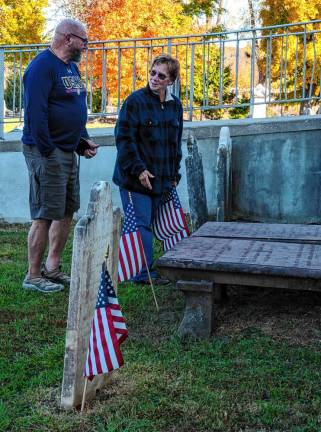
<point x="38" y="83"/>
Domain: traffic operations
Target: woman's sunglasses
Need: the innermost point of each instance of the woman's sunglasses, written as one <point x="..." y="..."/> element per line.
<point x="160" y="75"/>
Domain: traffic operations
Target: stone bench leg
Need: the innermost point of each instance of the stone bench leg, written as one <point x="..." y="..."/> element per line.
<point x="199" y="310"/>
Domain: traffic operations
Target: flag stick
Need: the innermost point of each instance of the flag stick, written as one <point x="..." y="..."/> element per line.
<point x="150" y="280"/>
<point x="84" y="396"/>
<point x="149" y="277"/>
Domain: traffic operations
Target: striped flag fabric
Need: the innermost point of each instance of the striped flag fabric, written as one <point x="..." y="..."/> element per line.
<point x="131" y="254"/>
<point x="108" y="331"/>
<point x="171" y="241"/>
<point x="170" y="224"/>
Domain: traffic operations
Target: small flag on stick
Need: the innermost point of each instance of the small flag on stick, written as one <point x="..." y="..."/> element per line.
<point x="170" y="224"/>
<point x="171" y="241"/>
<point x="108" y="331"/>
<point x="131" y="255"/>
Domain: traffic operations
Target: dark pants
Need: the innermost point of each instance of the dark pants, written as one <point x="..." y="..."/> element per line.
<point x="145" y="207"/>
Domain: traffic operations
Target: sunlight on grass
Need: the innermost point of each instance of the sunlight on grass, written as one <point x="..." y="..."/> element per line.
<point x="12" y="124"/>
<point x="98" y="124"/>
<point x="238" y="380"/>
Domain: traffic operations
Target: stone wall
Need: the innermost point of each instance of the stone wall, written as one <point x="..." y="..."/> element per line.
<point x="276" y="166"/>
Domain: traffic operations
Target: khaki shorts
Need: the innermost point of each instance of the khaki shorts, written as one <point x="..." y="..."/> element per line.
<point x="54" y="183"/>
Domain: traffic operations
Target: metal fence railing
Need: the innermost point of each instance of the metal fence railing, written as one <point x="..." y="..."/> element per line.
<point x="225" y="73"/>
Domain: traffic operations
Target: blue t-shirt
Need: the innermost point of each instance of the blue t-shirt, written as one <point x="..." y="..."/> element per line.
<point x="54" y="103"/>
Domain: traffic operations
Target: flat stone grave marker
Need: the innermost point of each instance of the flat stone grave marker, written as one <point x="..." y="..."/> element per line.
<point x="297" y="233"/>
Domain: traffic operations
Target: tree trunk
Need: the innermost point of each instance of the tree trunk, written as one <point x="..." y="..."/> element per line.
<point x="305" y="106"/>
<point x="253" y="25"/>
<point x="252" y="14"/>
<point x="220" y="12"/>
<point x="208" y="22"/>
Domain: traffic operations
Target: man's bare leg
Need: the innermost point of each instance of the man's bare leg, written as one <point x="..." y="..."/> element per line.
<point x="37" y="241"/>
<point x="58" y="235"/>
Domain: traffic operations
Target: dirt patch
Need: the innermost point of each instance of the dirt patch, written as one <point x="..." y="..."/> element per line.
<point x="7" y="317"/>
<point x="6" y="260"/>
<point x="282" y="314"/>
<point x="8" y="227"/>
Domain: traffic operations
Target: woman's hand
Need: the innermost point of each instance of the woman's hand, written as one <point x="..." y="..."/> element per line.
<point x="144" y="179"/>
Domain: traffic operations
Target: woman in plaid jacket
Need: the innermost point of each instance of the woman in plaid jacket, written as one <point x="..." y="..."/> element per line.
<point x="148" y="137"/>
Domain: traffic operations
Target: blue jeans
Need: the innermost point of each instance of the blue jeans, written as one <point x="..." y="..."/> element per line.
<point x="145" y="207"/>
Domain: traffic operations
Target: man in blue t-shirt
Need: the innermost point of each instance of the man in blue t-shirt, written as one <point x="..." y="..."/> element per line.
<point x="54" y="129"/>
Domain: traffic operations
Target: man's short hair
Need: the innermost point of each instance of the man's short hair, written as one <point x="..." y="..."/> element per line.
<point x="171" y="62"/>
<point x="67" y="25"/>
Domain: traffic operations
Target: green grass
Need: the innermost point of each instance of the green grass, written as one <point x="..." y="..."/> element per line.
<point x="11" y="125"/>
<point x="14" y="123"/>
<point x="259" y="372"/>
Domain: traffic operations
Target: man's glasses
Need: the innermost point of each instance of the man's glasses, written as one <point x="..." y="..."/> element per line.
<point x="160" y="75"/>
<point x="84" y="40"/>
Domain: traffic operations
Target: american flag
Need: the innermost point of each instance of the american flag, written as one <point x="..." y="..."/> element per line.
<point x="170" y="224"/>
<point x="108" y="331"/>
<point x="131" y="254"/>
<point x="171" y="241"/>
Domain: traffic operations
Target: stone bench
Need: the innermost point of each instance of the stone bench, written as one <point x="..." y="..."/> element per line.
<point x="249" y="254"/>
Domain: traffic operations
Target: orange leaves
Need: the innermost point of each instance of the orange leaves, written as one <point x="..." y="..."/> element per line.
<point x="289" y="11"/>
<point x="116" y="19"/>
<point x="126" y="19"/>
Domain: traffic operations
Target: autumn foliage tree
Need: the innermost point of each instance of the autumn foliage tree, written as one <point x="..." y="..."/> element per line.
<point x="22" y="21"/>
<point x="123" y="66"/>
<point x="205" y="8"/>
<point x="291" y="52"/>
<point x="274" y="12"/>
<point x="207" y="82"/>
<point x="124" y="19"/>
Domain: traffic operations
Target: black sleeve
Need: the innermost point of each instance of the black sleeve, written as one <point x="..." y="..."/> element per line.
<point x="125" y="135"/>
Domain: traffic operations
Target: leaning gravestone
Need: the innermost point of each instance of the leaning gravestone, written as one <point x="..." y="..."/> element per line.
<point x="94" y="234"/>
<point x="224" y="176"/>
<point x="195" y="184"/>
<point x="223" y="190"/>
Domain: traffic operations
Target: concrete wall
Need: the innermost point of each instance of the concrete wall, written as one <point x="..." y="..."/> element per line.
<point x="276" y="169"/>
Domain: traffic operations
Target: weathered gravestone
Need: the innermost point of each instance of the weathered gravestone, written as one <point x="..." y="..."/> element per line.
<point x="98" y="230"/>
<point x="224" y="176"/>
<point x="223" y="190"/>
<point x="195" y="185"/>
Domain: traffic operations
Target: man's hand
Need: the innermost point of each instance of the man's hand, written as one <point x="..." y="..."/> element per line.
<point x="92" y="151"/>
<point x="144" y="179"/>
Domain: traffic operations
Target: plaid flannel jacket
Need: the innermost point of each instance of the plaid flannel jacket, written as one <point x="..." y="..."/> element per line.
<point x="148" y="136"/>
